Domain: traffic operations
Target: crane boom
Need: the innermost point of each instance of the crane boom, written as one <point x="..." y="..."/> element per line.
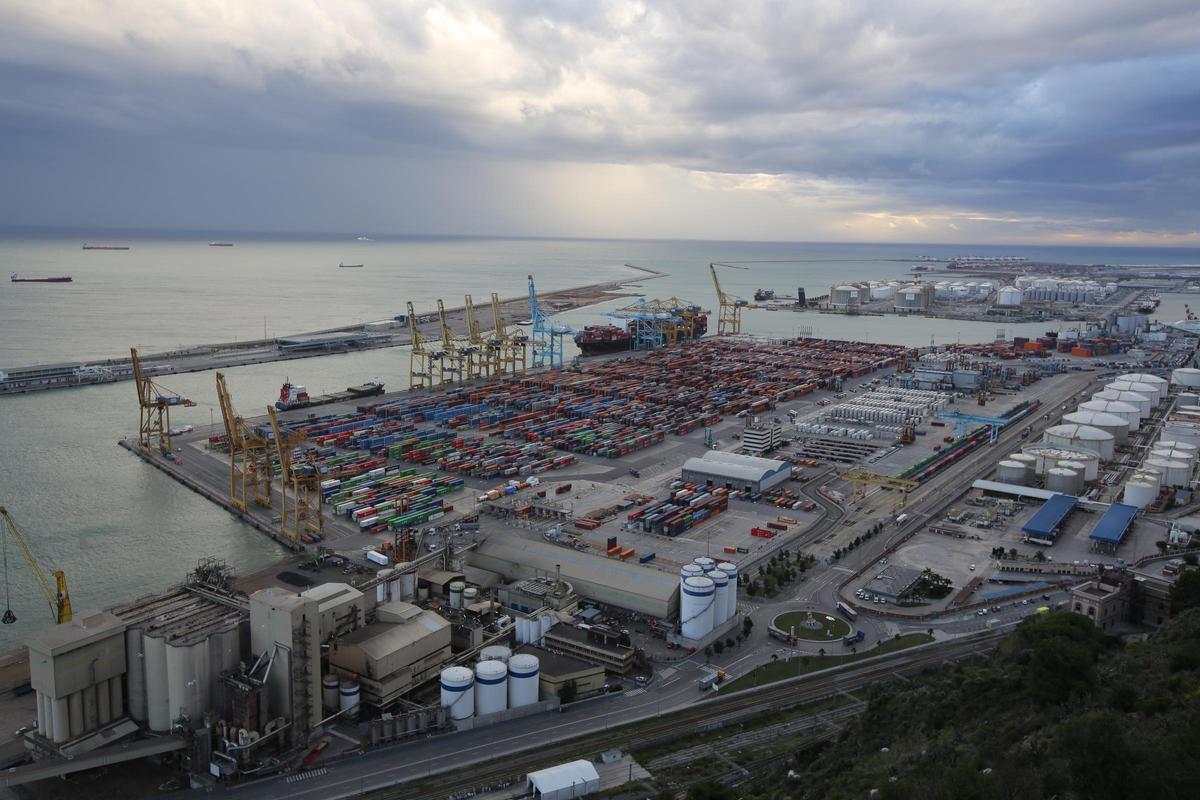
<point x="60" y="600"/>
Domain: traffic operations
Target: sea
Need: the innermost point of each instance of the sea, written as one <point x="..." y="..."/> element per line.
<point x="120" y="529"/>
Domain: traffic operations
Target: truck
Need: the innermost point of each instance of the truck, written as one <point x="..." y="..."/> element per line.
<point x="711" y="680"/>
<point x="377" y="558"/>
<point x="900" y="520"/>
<point x="853" y="638"/>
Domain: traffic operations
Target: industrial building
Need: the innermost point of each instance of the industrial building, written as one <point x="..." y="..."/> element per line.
<point x="736" y="471"/>
<point x="609" y="581"/>
<point x="559" y="668"/>
<point x="593" y="644"/>
<point x="894" y="583"/>
<point x="563" y="782"/>
<point x="405" y="646"/>
<point x="762" y="436"/>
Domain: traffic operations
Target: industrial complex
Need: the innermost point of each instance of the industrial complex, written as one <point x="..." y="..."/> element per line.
<point x="521" y="533"/>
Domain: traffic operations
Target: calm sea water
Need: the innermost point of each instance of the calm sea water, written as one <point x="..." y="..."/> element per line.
<point x="120" y="528"/>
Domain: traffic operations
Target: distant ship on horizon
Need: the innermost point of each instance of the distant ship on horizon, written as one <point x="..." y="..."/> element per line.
<point x="220" y="244"/>
<point x="364" y="239"/>
<point x="60" y="279"/>
<point x="350" y="266"/>
<point x="87" y="246"/>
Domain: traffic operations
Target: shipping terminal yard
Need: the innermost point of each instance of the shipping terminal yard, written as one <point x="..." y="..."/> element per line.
<point x="513" y="578"/>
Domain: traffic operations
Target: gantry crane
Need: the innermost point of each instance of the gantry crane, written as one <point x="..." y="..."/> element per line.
<point x="547" y="334"/>
<point x="995" y="424"/>
<point x="420" y="362"/>
<point x="509" y="351"/>
<point x="860" y="479"/>
<point x="250" y="469"/>
<point x="60" y="600"/>
<point x="730" y="319"/>
<point x="449" y="357"/>
<point x="301" y="513"/>
<point x="476" y="362"/>
<point x="155" y="404"/>
<point x="657" y="323"/>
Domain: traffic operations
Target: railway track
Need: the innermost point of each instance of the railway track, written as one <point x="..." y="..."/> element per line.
<point x="670" y="726"/>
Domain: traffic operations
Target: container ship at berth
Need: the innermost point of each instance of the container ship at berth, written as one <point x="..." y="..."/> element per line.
<point x="597" y="339"/>
<point x="292" y="395"/>
<point x="61" y="279"/>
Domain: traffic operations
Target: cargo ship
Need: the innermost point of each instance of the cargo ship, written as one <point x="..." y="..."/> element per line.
<point x="87" y="246"/>
<point x="293" y="395"/>
<point x="763" y="294"/>
<point x="596" y="339"/>
<point x="60" y="279"/>
<point x="350" y="266"/>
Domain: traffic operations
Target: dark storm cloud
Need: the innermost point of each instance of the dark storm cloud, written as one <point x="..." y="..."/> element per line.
<point x="1065" y="116"/>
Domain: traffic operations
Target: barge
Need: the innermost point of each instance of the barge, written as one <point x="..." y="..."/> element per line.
<point x="60" y="279"/>
<point x="293" y="395"/>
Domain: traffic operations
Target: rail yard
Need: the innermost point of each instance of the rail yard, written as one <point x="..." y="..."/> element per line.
<point x="633" y="539"/>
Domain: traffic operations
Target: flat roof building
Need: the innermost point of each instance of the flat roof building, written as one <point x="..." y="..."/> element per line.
<point x="403" y="647"/>
<point x="595" y="644"/>
<point x="736" y="471"/>
<point x="894" y="582"/>
<point x="555" y="669"/>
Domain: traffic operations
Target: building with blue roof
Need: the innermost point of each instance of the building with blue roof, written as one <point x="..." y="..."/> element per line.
<point x="1043" y="527"/>
<point x="1110" y="531"/>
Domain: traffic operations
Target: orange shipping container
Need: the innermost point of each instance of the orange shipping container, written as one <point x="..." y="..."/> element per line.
<point x="1033" y="347"/>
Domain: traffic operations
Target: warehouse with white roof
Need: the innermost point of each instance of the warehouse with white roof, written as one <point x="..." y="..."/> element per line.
<point x="736" y="471"/>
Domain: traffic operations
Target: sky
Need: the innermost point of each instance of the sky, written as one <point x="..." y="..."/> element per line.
<point x="1073" y="122"/>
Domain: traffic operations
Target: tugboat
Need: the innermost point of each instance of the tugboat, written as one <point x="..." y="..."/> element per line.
<point x="596" y="339"/>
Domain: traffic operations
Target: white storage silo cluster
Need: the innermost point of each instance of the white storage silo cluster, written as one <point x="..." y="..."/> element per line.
<point x="1063" y="290"/>
<point x="458" y="692"/>
<point x="491" y="687"/>
<point x="705" y="563"/>
<point x="524" y="674"/>
<point x="1047" y="456"/>
<point x="1084" y="436"/>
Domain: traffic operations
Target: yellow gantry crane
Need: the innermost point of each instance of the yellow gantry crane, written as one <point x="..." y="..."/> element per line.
<point x="729" y="320"/>
<point x="301" y="513"/>
<point x="250" y="469"/>
<point x="510" y="351"/>
<point x="155" y="404"/>
<point x="475" y="351"/>
<point x="60" y="600"/>
<point x="450" y="357"/>
<point x="420" y="362"/>
<point x="860" y="479"/>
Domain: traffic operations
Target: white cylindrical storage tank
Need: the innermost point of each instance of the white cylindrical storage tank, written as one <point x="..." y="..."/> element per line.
<point x="706" y="564"/>
<point x="1063" y="481"/>
<point x="1188" y="400"/>
<point x="845" y="296"/>
<point x="470" y="596"/>
<point x="1140" y="401"/>
<point x="1161" y="386"/>
<point x="689" y="571"/>
<point x="1009" y="297"/>
<point x="720" y="595"/>
<point x="495" y="652"/>
<point x="1075" y="466"/>
<point x="1145" y="389"/>
<point x="1181" y="447"/>
<point x="1126" y="411"/>
<point x="329" y="693"/>
<point x="1084" y="436"/>
<point x="458" y="692"/>
<point x="1186" y="376"/>
<point x="135" y="674"/>
<point x="911" y="298"/>
<point x="731" y="571"/>
<point x="158" y="703"/>
<point x="348" y="697"/>
<point x="491" y="687"/>
<point x="1171" y="454"/>
<point x="456" y="593"/>
<point x="696" y="607"/>
<point x="1029" y="461"/>
<point x="1118" y="427"/>
<point x="381" y="588"/>
<point x="524" y="672"/>
<point x="1174" y="473"/>
<point x="1014" y="472"/>
<point x="1139" y="494"/>
<point x="1147" y="475"/>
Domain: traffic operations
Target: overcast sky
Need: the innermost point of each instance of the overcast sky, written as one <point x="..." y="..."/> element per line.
<point x="1073" y="121"/>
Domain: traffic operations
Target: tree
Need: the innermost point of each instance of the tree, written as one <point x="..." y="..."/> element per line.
<point x="1190" y="559"/>
<point x="718" y="646"/>
<point x="747" y="625"/>
<point x="728" y="643"/>
<point x="821" y="652"/>
<point x="752" y="589"/>
<point x="568" y="692"/>
<point x="1185" y="593"/>
<point x="708" y="650"/>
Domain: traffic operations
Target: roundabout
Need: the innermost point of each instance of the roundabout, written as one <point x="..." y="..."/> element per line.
<point x="812" y="626"/>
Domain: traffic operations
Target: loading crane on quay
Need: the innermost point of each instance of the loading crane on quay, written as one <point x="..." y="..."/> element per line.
<point x="509" y="351"/>
<point x="547" y="334"/>
<point x="729" y="320"/>
<point x="250" y="469"/>
<point x="450" y="358"/>
<point x="155" y="404"/>
<point x="303" y="514"/>
<point x="60" y="600"/>
<point x="476" y="363"/>
<point x="420" y="360"/>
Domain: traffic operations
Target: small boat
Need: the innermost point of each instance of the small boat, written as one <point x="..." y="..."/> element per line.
<point x="364" y="239"/>
<point x="87" y="246"/>
<point x="60" y="279"/>
<point x="220" y="244"/>
<point x="350" y="266"/>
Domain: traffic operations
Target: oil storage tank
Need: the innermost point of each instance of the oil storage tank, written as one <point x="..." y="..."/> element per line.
<point x="845" y="296"/>
<point x="1126" y="411"/>
<point x="1140" y="401"/>
<point x="1145" y="389"/>
<point x="696" y="607"/>
<point x="914" y="297"/>
<point x="458" y="692"/>
<point x="1138" y="493"/>
<point x="1009" y="297"/>
<point x="491" y="687"/>
<point x="1161" y="386"/>
<point x="1085" y="436"/>
<point x="524" y="673"/>
<point x="1063" y="481"/>
<point x="1014" y="472"/>
<point x="1117" y="427"/>
<point x="1174" y="473"/>
<point x="1186" y="376"/>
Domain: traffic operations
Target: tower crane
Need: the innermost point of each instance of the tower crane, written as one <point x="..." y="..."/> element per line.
<point x="420" y="366"/>
<point x="547" y="334"/>
<point x="510" y="350"/>
<point x="730" y="319"/>
<point x="303" y="513"/>
<point x="60" y="600"/>
<point x="450" y="357"/>
<point x="476" y="362"/>
<point x="249" y="456"/>
<point x="155" y="403"/>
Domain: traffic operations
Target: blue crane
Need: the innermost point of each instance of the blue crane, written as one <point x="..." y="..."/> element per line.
<point x="961" y="421"/>
<point x="546" y="334"/>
